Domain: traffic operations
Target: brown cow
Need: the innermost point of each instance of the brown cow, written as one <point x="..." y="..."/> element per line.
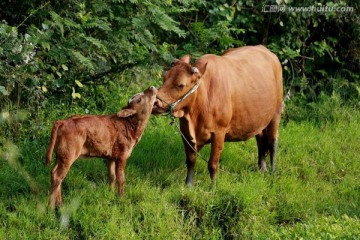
<point x="232" y="97"/>
<point x="112" y="137"/>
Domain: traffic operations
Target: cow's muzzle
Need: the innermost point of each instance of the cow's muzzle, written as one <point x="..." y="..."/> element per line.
<point x="170" y="109"/>
<point x="161" y="106"/>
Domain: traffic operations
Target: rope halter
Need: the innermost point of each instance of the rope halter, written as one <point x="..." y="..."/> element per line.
<point x="172" y="105"/>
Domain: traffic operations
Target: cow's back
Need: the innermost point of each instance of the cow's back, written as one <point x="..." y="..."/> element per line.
<point x="244" y="88"/>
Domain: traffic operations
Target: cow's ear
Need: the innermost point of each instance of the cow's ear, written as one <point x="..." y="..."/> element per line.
<point x="127" y="112"/>
<point x="198" y="72"/>
<point x="186" y="58"/>
<point x="203" y="69"/>
<point x="195" y="71"/>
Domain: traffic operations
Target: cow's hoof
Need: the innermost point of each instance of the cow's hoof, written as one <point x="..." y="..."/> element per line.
<point x="263" y="169"/>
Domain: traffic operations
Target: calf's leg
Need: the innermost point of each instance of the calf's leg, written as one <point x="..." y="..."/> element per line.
<point x="120" y="176"/>
<point x="58" y="174"/>
<point x="111" y="173"/>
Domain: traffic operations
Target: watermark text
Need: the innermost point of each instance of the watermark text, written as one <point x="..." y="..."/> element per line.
<point x="308" y="9"/>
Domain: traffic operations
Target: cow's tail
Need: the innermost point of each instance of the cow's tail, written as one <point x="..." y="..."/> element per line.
<point x="53" y="138"/>
<point x="288" y="93"/>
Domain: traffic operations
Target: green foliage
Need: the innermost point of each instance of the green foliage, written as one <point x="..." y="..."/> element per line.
<point x="314" y="53"/>
<point x="90" y="42"/>
<point x="45" y="47"/>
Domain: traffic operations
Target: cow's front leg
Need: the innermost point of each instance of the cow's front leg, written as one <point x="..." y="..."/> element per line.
<point x="191" y="152"/>
<point x="190" y="163"/>
<point x="190" y="160"/>
<point x="217" y="145"/>
<point x="190" y="149"/>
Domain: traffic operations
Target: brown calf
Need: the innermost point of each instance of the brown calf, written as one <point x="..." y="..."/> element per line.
<point x="112" y="137"/>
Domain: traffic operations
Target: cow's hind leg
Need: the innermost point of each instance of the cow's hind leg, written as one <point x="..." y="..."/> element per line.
<point x="272" y="136"/>
<point x="263" y="148"/>
<point x="267" y="143"/>
<point x="272" y="149"/>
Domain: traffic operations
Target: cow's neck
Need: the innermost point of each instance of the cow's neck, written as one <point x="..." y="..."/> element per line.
<point x="135" y="128"/>
<point x="194" y="113"/>
<point x="199" y="105"/>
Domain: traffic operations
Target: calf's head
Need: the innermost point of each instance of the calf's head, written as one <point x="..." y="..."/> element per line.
<point x="140" y="105"/>
<point x="177" y="82"/>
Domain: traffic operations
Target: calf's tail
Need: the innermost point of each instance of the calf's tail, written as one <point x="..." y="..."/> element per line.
<point x="53" y="138"/>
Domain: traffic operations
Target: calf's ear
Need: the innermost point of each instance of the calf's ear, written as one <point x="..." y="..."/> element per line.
<point x="186" y="58"/>
<point x="127" y="112"/>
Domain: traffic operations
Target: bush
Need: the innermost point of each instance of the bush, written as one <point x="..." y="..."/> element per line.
<point x="67" y="51"/>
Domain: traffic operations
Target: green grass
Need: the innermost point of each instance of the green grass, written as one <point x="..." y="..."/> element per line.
<point x="314" y="194"/>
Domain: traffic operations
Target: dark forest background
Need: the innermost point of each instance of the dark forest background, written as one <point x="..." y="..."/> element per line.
<point x="75" y="51"/>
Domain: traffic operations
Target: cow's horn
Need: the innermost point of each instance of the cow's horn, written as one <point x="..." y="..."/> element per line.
<point x="195" y="70"/>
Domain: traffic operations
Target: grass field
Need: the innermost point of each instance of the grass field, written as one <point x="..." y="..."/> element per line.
<point x="314" y="194"/>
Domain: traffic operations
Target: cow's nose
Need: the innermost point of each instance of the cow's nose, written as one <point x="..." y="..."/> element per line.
<point x="156" y="103"/>
<point x="153" y="90"/>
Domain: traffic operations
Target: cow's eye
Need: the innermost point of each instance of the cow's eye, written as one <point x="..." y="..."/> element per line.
<point x="139" y="100"/>
<point x="181" y="86"/>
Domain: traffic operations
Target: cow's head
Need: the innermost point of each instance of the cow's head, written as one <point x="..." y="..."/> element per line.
<point x="140" y="105"/>
<point x="178" y="81"/>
